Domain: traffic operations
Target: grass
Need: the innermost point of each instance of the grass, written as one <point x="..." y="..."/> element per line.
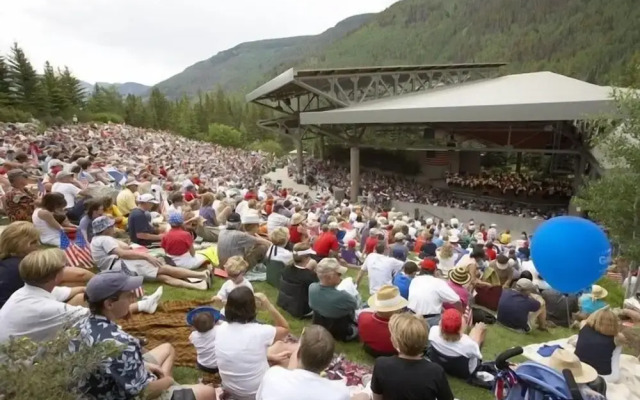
<point x="498" y="339"/>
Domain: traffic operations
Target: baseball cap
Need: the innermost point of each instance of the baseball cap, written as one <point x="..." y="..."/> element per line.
<point x="428" y="264"/>
<point x="175" y="219"/>
<point x="351" y="243"/>
<point x="147" y="198"/>
<point x="101" y="224"/>
<point x="234" y="218"/>
<point x="334" y="226"/>
<point x="250" y="218"/>
<point x="108" y="283"/>
<point x="451" y="322"/>
<point x="330" y="265"/>
<point x="399" y="236"/>
<point x="525" y="285"/>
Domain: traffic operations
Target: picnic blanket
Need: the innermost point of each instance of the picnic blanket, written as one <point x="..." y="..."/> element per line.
<point x="168" y="324"/>
<point x="627" y="387"/>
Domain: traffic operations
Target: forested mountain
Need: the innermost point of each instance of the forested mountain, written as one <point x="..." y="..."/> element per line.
<point x="125" y="89"/>
<point x="591" y="40"/>
<point x="245" y="66"/>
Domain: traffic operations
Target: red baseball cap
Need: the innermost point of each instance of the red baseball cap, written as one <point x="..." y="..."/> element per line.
<point x="428" y="264"/>
<point x="351" y="243"/>
<point x="451" y="321"/>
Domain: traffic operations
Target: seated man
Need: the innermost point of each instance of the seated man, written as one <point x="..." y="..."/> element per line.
<point x="374" y="326"/>
<point x="129" y="373"/>
<point x="333" y="308"/>
<point x="427" y="294"/>
<point x="293" y="295"/>
<point x="520" y="307"/>
<point x="449" y="340"/>
<point x="380" y="267"/>
<point x="303" y="380"/>
<point x="178" y="244"/>
<point x="110" y="254"/>
<point x="327" y="245"/>
<point x="235" y="241"/>
<point x="140" y="229"/>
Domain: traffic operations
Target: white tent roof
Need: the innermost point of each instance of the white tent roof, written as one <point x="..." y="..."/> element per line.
<point x="537" y="96"/>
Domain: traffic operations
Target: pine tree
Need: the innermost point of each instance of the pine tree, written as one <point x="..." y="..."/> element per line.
<point x="72" y="90"/>
<point x="134" y="111"/>
<point x="160" y="109"/>
<point x="27" y="92"/>
<point x="56" y="100"/>
<point x="5" y="89"/>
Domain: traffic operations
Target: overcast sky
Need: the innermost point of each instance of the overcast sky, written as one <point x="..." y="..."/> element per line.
<point x="148" y="41"/>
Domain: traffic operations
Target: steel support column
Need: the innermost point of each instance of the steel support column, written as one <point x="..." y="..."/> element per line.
<point x="355" y="173"/>
<point x="578" y="179"/>
<point x="299" y="156"/>
<point x="321" y="147"/>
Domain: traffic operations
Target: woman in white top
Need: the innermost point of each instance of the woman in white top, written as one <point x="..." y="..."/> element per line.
<point x="446" y="258"/>
<point x="277" y="252"/>
<point x="50" y="219"/>
<point x="245" y="347"/>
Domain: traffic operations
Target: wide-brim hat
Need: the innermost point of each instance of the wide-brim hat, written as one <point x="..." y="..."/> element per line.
<point x="209" y="310"/>
<point x="387" y="299"/>
<point x="454" y="239"/>
<point x="598" y="292"/>
<point x="502" y="267"/>
<point x="562" y="359"/>
<point x="297" y="218"/>
<point x="460" y="275"/>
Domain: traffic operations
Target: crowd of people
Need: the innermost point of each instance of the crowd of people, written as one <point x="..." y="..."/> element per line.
<point x="433" y="285"/>
<point x="518" y="194"/>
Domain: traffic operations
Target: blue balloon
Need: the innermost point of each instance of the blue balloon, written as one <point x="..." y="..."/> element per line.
<point x="570" y="253"/>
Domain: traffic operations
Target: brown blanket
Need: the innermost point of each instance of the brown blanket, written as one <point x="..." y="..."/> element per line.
<point x="167" y="325"/>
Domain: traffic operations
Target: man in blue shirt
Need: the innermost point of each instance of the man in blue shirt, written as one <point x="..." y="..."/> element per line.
<point x="399" y="250"/>
<point x="520" y="306"/>
<point x="140" y="229"/>
<point x="403" y="279"/>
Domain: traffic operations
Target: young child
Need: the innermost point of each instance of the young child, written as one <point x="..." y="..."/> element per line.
<point x="202" y="339"/>
<point x="235" y="267"/>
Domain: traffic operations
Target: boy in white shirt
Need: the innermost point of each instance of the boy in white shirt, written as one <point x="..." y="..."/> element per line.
<point x="203" y="340"/>
<point x="235" y="267"/>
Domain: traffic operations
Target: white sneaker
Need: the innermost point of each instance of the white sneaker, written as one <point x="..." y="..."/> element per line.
<point x="150" y="304"/>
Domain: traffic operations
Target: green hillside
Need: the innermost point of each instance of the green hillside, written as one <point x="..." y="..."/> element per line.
<point x="245" y="66"/>
<point x="587" y="39"/>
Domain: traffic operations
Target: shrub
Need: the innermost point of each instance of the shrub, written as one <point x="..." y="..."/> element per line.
<point x="268" y="146"/>
<point x="105" y="118"/>
<point x="10" y="114"/>
<point x="30" y="370"/>
<point x="223" y="135"/>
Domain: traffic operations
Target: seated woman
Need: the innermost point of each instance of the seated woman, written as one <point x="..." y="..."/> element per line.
<point x="450" y="342"/>
<point x="47" y="216"/>
<point x="293" y="295"/>
<point x="277" y="251"/>
<point x="113" y="212"/>
<point x="244" y="347"/>
<point x="600" y="344"/>
<point x="94" y="209"/>
<point x="373" y="324"/>
<point x="178" y="244"/>
<point x="16" y="241"/>
<point x="297" y="230"/>
<point x="592" y="302"/>
<point x="208" y="230"/>
<point x="409" y="375"/>
<point x="446" y="258"/>
<point x="111" y="254"/>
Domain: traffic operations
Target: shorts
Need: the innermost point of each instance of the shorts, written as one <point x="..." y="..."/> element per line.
<point x="177" y="392"/>
<point x="141" y="268"/>
<point x="188" y="261"/>
<point x="149" y="358"/>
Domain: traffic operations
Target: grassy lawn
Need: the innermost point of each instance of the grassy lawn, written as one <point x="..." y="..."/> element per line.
<point x="498" y="338"/>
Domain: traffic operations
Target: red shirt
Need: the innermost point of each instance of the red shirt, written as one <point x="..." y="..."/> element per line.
<point x="374" y="332"/>
<point x="418" y="247"/>
<point x="294" y="235"/>
<point x="188" y="196"/>
<point x="370" y="244"/>
<point x="325" y="243"/>
<point x="491" y="254"/>
<point x="177" y="242"/>
<point x="196" y="181"/>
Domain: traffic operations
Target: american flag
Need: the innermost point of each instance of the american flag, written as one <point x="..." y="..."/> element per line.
<point x="437" y="158"/>
<point x="78" y="253"/>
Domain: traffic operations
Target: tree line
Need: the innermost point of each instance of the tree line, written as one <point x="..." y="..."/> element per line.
<point x="56" y="96"/>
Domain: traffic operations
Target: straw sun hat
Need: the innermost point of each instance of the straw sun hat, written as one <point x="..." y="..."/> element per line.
<point x="598" y="292"/>
<point x="387" y="299"/>
<point x="460" y="275"/>
<point x="562" y="359"/>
